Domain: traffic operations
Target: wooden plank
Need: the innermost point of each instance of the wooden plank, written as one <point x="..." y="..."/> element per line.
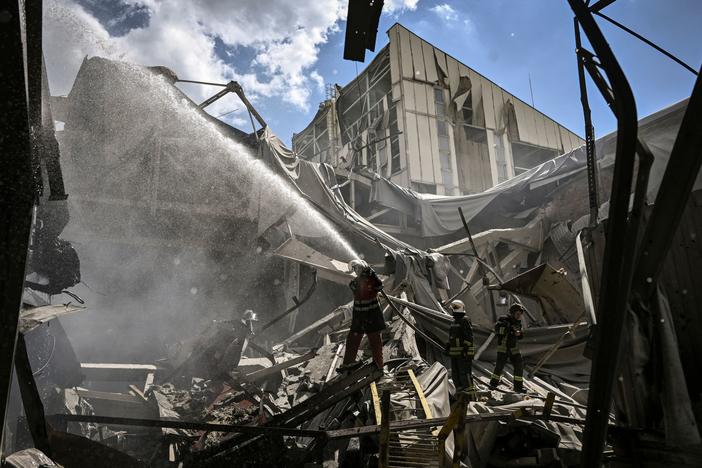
<point x="376" y="403"/>
<point x="116" y="372"/>
<point x="193" y="426"/>
<point x="263" y="373"/>
<point x="548" y="404"/>
<point x="420" y="394"/>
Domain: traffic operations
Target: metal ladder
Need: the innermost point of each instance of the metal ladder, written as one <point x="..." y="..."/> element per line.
<point x="406" y="448"/>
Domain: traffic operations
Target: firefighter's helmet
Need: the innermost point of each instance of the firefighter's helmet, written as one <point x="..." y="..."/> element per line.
<point x="457" y="307"/>
<point x="249" y="316"/>
<point x="357" y="266"/>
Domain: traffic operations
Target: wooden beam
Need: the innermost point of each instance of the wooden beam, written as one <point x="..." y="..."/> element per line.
<point x="115" y="372"/>
<point x="376" y="403"/>
<point x="195" y="426"/>
<point x="263" y="373"/>
<point x="420" y="394"/>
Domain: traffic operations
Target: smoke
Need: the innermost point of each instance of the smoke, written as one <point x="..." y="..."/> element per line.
<point x="165" y="216"/>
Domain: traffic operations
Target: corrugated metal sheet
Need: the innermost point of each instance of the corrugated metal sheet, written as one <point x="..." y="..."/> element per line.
<point x="420" y="97"/>
<point x="413" y="156"/>
<point x="682" y="280"/>
<point x="406" y="54"/>
<point x="426" y="155"/>
<point x="429" y="62"/>
<point x="417" y="58"/>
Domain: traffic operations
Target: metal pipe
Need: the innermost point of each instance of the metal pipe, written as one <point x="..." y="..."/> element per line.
<point x="617" y="268"/>
<point x="16" y="191"/>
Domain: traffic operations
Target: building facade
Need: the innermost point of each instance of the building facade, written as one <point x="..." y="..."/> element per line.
<point x="426" y="121"/>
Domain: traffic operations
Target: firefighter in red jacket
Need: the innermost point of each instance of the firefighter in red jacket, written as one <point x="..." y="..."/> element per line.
<point x="367" y="317"/>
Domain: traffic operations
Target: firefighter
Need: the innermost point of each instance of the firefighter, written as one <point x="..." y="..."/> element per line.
<point x="461" y="349"/>
<point x="238" y="336"/>
<point x="367" y="317"/>
<point x="508" y="331"/>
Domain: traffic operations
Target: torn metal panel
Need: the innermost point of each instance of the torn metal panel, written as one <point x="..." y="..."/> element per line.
<point x="327" y="268"/>
<point x="33" y="317"/>
<point x="560" y="301"/>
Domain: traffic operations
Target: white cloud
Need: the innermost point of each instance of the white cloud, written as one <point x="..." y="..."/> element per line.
<point x="445" y="12"/>
<point x="285" y="38"/>
<point x="282" y="36"/>
<point x="397" y="6"/>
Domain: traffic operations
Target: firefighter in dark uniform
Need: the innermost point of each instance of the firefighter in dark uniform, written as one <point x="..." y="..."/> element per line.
<point x="461" y="349"/>
<point x="508" y="331"/>
<point x="367" y="317"/>
<point x="238" y="335"/>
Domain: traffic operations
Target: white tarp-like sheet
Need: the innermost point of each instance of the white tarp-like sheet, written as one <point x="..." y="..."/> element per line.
<point x="438" y="215"/>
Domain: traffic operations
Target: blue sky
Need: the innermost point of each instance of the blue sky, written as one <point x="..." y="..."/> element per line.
<point x="283" y="52"/>
<point x="508" y="40"/>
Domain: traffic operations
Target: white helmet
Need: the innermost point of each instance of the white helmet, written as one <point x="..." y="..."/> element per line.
<point x="249" y="316"/>
<point x="357" y="266"/>
<point x="457" y="306"/>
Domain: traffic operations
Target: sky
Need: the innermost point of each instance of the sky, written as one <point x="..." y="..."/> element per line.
<point x="285" y="52"/>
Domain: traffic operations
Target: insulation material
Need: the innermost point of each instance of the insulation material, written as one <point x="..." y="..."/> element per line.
<point x="426" y="156"/>
<point x="417" y="58"/>
<point x="406" y="54"/>
<point x="429" y="62"/>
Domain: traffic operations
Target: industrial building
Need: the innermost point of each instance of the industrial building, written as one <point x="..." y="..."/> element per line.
<point x="422" y="119"/>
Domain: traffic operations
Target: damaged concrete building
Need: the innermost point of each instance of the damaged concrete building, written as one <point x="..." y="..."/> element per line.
<point x="429" y="123"/>
<point x="135" y="347"/>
